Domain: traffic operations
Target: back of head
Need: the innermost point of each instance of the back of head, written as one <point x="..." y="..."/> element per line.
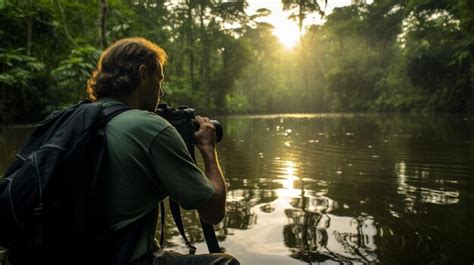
<point x="117" y="70"/>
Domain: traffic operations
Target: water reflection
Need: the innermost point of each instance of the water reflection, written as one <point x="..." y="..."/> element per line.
<point x="350" y="189"/>
<point x="320" y="237"/>
<point x="239" y="216"/>
<point x="419" y="190"/>
<point x="315" y="235"/>
<point x="357" y="188"/>
<point x="287" y="177"/>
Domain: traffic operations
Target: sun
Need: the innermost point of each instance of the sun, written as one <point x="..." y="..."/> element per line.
<point x="287" y="33"/>
<point x="284" y="29"/>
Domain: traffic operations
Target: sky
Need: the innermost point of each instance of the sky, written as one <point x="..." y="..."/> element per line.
<point x="287" y="30"/>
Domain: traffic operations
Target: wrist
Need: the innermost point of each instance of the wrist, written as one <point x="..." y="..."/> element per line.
<point x="208" y="152"/>
<point x="206" y="148"/>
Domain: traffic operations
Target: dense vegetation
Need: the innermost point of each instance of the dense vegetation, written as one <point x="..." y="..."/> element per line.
<point x="391" y="55"/>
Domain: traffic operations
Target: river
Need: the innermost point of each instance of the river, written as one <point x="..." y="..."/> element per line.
<point x="338" y="189"/>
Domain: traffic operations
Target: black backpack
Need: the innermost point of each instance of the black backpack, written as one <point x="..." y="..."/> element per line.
<point x="45" y="193"/>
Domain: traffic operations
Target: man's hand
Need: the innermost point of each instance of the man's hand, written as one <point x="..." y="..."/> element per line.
<point x="206" y="135"/>
<point x="213" y="210"/>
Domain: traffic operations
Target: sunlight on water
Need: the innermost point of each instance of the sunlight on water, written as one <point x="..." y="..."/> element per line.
<point x="281" y="117"/>
<point x="413" y="193"/>
<point x="287" y="180"/>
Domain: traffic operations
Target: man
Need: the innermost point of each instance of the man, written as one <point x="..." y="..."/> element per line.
<point x="146" y="159"/>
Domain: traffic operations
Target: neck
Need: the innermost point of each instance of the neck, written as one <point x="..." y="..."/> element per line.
<point x="130" y="100"/>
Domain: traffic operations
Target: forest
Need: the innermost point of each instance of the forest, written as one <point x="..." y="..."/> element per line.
<point x="386" y="56"/>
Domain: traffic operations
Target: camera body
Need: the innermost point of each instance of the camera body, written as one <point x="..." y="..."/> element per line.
<point x="182" y="118"/>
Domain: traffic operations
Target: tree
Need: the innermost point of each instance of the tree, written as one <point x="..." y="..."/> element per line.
<point x="19" y="91"/>
<point x="301" y="9"/>
<point x="103" y="23"/>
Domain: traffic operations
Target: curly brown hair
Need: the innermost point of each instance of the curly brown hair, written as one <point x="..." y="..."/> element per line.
<point x="117" y="69"/>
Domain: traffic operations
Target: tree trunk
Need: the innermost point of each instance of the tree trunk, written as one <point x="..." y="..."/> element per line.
<point x="190" y="47"/>
<point x="66" y="30"/>
<point x="204" y="48"/>
<point x="306" y="91"/>
<point x="29" y="33"/>
<point x="179" y="45"/>
<point x="103" y="23"/>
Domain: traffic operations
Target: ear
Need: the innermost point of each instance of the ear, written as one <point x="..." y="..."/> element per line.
<point x="142" y="71"/>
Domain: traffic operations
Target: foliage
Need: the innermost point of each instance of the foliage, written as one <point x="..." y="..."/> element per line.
<point x="17" y="84"/>
<point x="72" y="75"/>
<point x="391" y="55"/>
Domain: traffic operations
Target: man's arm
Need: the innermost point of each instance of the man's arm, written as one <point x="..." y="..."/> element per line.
<point x="213" y="210"/>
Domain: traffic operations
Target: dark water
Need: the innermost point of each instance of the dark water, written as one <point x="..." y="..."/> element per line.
<point x="339" y="189"/>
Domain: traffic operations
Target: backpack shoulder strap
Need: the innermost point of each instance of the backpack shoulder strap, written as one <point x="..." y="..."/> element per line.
<point x="109" y="114"/>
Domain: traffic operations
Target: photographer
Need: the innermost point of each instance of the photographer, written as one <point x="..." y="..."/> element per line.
<point x="146" y="160"/>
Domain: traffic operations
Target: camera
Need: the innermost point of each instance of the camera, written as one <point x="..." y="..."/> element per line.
<point x="182" y="118"/>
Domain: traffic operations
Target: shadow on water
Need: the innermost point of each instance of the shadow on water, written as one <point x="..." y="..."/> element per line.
<point x="339" y="189"/>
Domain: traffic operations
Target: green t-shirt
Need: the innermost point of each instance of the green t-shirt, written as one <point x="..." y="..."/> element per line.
<point x="146" y="160"/>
